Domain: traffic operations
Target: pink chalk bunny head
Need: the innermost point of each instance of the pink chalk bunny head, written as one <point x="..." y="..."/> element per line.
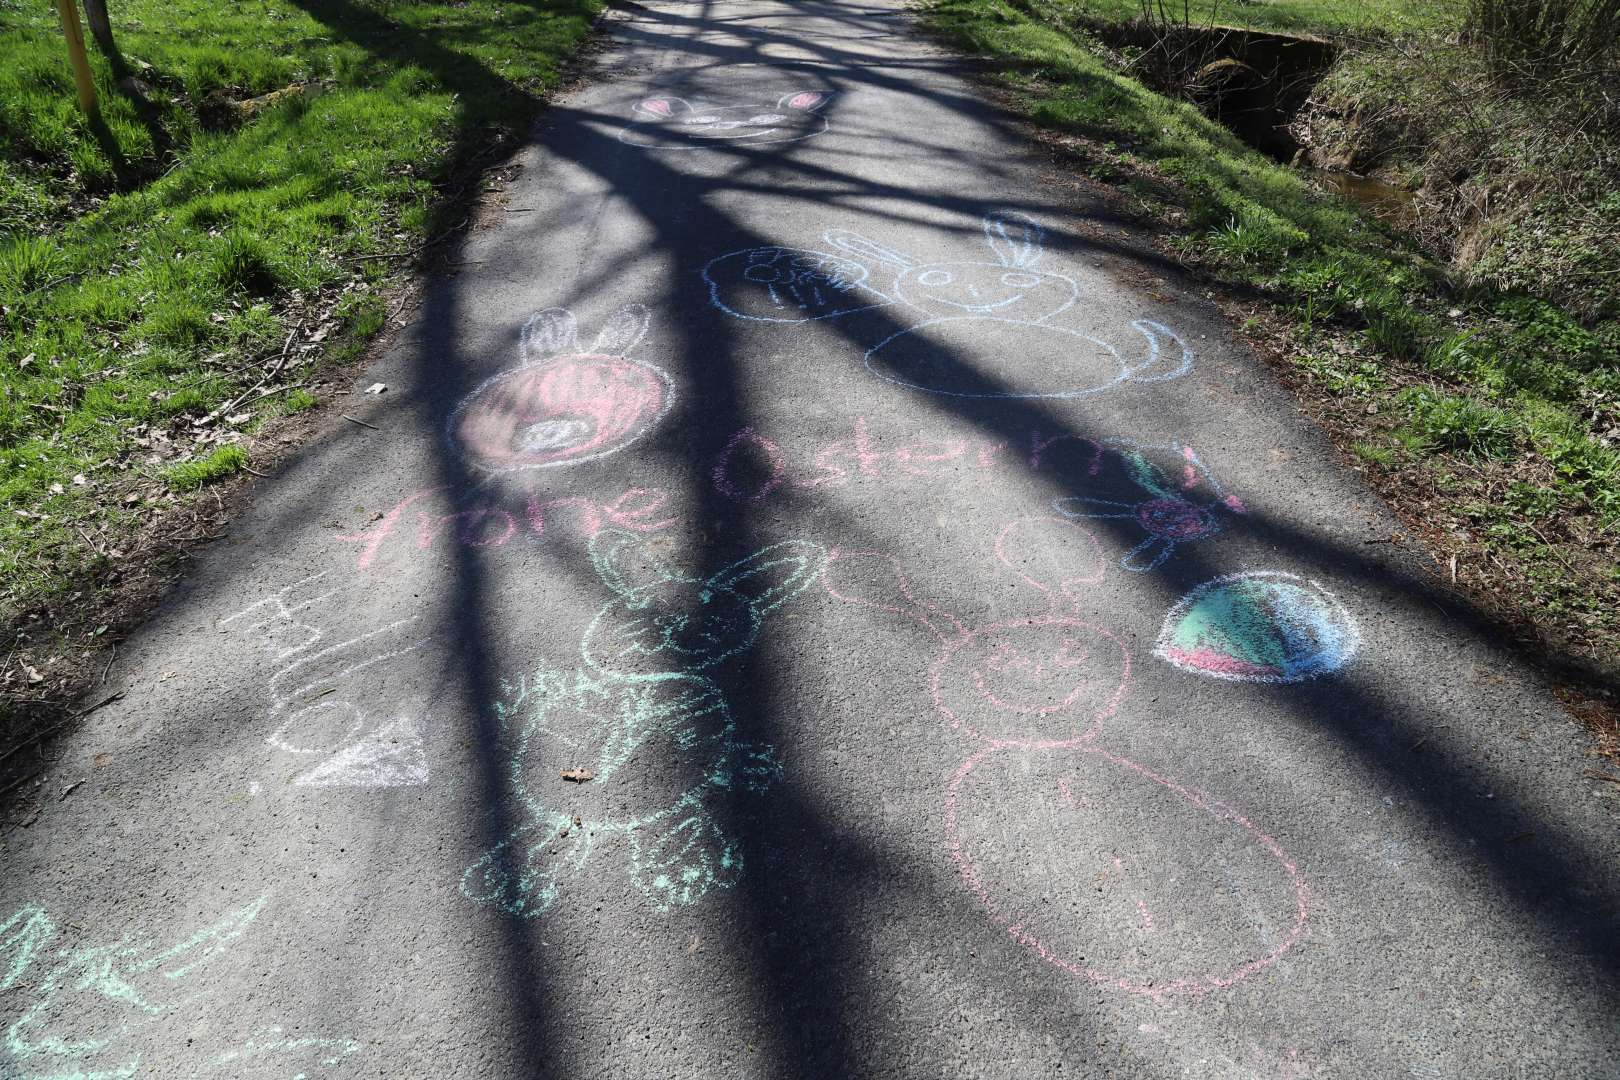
<point x="562" y="404"/>
<point x="1009" y="288"/>
<point x="1044" y="680"/>
<point x="673" y="123"/>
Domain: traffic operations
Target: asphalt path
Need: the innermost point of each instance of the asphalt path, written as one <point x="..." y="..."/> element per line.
<point x="812" y="601"/>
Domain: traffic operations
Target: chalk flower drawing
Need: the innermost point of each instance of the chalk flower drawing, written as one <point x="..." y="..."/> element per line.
<point x="83" y="1005"/>
<point x="670" y="123"/>
<point x="1039" y="805"/>
<point x="655" y="733"/>
<point x="562" y="405"/>
<point x="1190" y="507"/>
<point x="1266" y="627"/>
<point x="979" y="329"/>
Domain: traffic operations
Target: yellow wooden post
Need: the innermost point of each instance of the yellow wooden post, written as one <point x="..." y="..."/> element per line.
<point x="81" y="63"/>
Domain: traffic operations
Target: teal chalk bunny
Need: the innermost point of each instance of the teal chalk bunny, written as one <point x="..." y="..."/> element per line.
<point x="630" y="751"/>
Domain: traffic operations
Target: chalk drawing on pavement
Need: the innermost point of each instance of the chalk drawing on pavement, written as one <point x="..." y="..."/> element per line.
<point x="1203" y="900"/>
<point x="487" y="524"/>
<point x="1172" y="506"/>
<point x="978" y="329"/>
<point x="1259" y="627"/>
<point x="1048" y="679"/>
<point x="623" y="757"/>
<point x="1038" y="805"/>
<point x="666" y="122"/>
<point x="322" y="698"/>
<point x="561" y="405"/>
<point x="89" y="1010"/>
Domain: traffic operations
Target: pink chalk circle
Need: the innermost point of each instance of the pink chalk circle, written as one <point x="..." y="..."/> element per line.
<point x="1117" y="875"/>
<point x="1047" y="681"/>
<point x="559" y="411"/>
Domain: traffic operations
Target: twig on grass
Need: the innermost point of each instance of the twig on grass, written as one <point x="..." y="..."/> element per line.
<point x="275" y="369"/>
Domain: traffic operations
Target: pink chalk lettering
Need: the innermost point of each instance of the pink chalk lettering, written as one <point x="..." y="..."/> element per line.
<point x="492" y="526"/>
<point x="373" y="538"/>
<point x="833" y="475"/>
<point x="631" y="518"/>
<point x="590" y="518"/>
<point x="863" y="448"/>
<point x="722" y="468"/>
<point x="916" y="462"/>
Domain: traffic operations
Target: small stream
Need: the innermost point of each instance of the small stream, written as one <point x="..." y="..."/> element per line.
<point x="1393" y="204"/>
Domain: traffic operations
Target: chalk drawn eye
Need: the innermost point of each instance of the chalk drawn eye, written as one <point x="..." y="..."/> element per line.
<point x="702" y="119"/>
<point x="934" y="277"/>
<point x="764" y="275"/>
<point x="1019" y="281"/>
<point x="767" y="118"/>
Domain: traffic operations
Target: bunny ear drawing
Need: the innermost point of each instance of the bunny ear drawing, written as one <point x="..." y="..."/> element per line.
<point x="875" y="580"/>
<point x="663" y="106"/>
<point x="772" y="576"/>
<point x="1042" y="550"/>
<point x="1015" y="238"/>
<point x="622" y="331"/>
<point x="1160" y="363"/>
<point x="862" y="248"/>
<point x="804" y="100"/>
<point x="627" y="564"/>
<point x="548" y="333"/>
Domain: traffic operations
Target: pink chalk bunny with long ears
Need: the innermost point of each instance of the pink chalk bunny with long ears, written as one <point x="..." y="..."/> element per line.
<point x="1185" y="895"/>
<point x="1046" y="680"/>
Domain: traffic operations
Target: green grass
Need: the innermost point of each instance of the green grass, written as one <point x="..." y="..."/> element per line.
<point x="1465" y="380"/>
<point x="1300" y="16"/>
<point x="223" y="462"/>
<point x="151" y="268"/>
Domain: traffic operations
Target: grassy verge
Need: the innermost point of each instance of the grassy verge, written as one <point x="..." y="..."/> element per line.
<point x="1491" y="419"/>
<point x="1300" y="16"/>
<point x="171" y="277"/>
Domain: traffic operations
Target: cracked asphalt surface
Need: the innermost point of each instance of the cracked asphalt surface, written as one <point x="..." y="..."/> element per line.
<point x="814" y="600"/>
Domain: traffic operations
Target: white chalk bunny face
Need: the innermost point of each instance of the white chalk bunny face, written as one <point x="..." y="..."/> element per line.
<point x="665" y="622"/>
<point x="673" y="123"/>
<point x="1010" y="288"/>
<point x="975" y="329"/>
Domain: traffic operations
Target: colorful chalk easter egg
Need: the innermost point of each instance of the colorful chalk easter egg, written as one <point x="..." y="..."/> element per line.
<point x="1259" y="627"/>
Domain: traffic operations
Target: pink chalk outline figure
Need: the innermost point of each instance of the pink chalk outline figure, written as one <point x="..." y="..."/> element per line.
<point x="561" y="406"/>
<point x="1176" y="511"/>
<point x="1033" y="692"/>
<point x="666" y="122"/>
<point x="996" y="310"/>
